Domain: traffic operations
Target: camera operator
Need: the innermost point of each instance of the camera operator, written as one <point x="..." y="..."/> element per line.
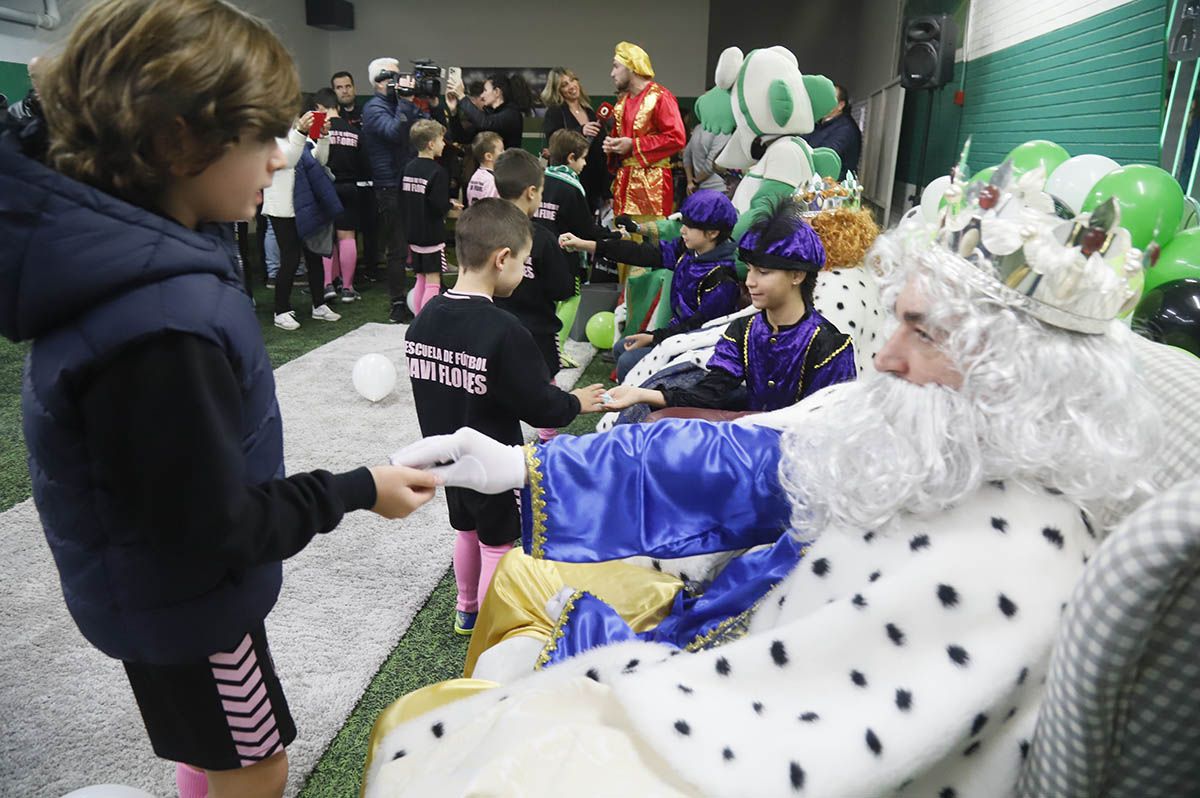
<point x="22" y="126"/>
<point x="387" y="118"/>
<point x="499" y="114"/>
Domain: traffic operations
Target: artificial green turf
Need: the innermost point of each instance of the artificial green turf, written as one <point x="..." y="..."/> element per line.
<point x="429" y="652"/>
<point x="14" y="475"/>
<point x="283" y="346"/>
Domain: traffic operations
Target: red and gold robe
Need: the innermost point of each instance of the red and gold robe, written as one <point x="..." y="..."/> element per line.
<point x="643" y="177"/>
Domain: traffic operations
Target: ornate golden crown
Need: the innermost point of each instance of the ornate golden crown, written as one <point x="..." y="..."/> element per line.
<point x="1075" y="273"/>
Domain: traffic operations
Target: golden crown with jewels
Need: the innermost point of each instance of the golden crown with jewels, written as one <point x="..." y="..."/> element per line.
<point x="1075" y="273"/>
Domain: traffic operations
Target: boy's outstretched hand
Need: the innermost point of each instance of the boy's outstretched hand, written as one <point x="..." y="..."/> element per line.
<point x="573" y="243"/>
<point x="590" y="400"/>
<point x="400" y="490"/>
<point x="624" y="396"/>
<point x="467" y="459"/>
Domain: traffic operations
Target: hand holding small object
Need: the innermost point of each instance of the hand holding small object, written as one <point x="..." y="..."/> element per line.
<point x="467" y="459"/>
<point x="638" y="341"/>
<point x="590" y="398"/>
<point x="400" y="490"/>
<point x="624" y="396"/>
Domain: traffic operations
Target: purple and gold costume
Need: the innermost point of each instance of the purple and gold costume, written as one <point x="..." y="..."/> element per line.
<point x="703" y="287"/>
<point x="779" y="367"/>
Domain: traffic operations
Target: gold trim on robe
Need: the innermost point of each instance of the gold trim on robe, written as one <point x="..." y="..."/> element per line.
<point x="537" y="501"/>
<point x="515" y="604"/>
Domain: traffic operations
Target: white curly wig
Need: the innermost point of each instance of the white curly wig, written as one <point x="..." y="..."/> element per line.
<point x="1038" y="405"/>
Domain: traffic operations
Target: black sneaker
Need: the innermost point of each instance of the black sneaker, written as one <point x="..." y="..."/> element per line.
<point x="331" y="293"/>
<point x="400" y="314"/>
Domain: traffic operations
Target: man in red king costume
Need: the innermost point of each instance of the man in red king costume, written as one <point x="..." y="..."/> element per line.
<point x="647" y="131"/>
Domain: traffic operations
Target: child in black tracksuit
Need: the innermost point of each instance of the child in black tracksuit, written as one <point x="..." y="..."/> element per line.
<point x="548" y="274"/>
<point x="425" y="200"/>
<point x="472" y="364"/>
<point x="564" y="207"/>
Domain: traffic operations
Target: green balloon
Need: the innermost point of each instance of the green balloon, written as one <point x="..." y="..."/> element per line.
<point x="1039" y="152"/>
<point x="602" y="330"/>
<point x="983" y="175"/>
<point x="1150" y="200"/>
<point x="1178" y="260"/>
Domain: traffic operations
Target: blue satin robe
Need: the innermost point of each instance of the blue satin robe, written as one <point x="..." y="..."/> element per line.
<point x="672" y="489"/>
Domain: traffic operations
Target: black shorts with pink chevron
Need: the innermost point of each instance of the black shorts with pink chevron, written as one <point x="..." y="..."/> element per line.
<point x="220" y="713"/>
<point x="424" y="262"/>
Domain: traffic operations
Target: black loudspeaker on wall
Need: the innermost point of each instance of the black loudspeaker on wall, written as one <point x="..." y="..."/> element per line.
<point x="329" y="14"/>
<point x="927" y="52"/>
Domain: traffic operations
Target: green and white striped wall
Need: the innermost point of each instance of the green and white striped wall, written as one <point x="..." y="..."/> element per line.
<point x="1096" y="85"/>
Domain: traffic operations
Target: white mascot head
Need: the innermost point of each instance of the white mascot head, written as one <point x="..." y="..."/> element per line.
<point x="770" y="99"/>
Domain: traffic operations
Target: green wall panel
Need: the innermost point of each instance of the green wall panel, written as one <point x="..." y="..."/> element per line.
<point x="14" y="80"/>
<point x="1095" y="86"/>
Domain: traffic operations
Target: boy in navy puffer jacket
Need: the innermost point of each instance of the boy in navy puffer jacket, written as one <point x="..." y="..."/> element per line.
<point x="155" y="442"/>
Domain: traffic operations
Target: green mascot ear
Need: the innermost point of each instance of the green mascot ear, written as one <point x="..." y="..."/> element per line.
<point x="714" y="109"/>
<point x="822" y="95"/>
<point x="826" y="162"/>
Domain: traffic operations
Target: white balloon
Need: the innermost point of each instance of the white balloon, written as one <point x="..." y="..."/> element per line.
<point x="1074" y="178"/>
<point x="108" y="791"/>
<point x="374" y="377"/>
<point x="932" y="196"/>
<point x="412" y="300"/>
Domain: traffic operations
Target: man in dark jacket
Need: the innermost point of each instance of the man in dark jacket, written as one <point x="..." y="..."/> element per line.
<point x="839" y="132"/>
<point x="387" y="118"/>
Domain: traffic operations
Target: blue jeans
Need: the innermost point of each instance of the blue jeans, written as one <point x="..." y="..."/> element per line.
<point x="626" y="360"/>
<point x="271" y="251"/>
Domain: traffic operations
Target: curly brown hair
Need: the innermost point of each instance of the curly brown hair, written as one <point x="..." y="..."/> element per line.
<point x="144" y="89"/>
<point x="846" y="235"/>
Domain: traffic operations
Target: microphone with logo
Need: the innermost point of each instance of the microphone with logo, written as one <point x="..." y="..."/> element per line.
<point x="604" y="115"/>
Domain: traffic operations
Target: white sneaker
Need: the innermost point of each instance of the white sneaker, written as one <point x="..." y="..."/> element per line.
<point x="323" y="313"/>
<point x="287" y="321"/>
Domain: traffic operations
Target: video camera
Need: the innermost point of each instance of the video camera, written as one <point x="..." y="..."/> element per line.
<point x="425" y="80"/>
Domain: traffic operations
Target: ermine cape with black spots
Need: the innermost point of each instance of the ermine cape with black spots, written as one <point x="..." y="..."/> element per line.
<point x="908" y="660"/>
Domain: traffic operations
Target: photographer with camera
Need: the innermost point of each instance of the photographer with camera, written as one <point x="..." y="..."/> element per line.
<point x="22" y="124"/>
<point x="387" y="118"/>
<point x="499" y="113"/>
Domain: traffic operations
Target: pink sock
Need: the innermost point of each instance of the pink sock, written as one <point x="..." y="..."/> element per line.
<point x="191" y="782"/>
<point x="418" y="293"/>
<point x="489" y="558"/>
<point x="346" y="252"/>
<point x="466" y="571"/>
<point x="431" y="290"/>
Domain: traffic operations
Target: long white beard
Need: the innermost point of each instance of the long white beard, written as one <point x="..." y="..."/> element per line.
<point x="887" y="446"/>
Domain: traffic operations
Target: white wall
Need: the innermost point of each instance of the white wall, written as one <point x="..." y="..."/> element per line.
<point x="852" y="42"/>
<point x="996" y="24"/>
<point x="536" y="33"/>
<point x="466" y="33"/>
<point x="19" y="43"/>
<point x="308" y="46"/>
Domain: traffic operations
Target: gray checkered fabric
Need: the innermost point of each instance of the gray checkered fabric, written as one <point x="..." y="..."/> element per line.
<point x="1121" y="716"/>
<point x="1173" y="375"/>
